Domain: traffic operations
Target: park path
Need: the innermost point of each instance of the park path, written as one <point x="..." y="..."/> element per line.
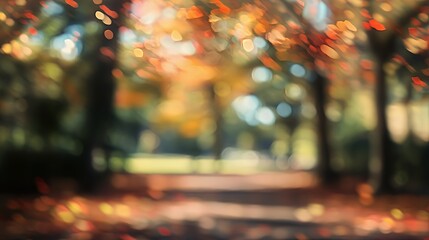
<point x="229" y="207"/>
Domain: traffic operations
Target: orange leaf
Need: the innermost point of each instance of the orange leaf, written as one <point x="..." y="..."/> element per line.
<point x="377" y="25"/>
<point x="72" y="3"/>
<point x="109" y="12"/>
<point x="417" y="81"/>
<point x="366" y="25"/>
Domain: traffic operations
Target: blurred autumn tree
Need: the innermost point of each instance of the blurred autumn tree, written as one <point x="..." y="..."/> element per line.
<point x="198" y="63"/>
<point x="299" y="34"/>
<point x="348" y="41"/>
<point x="69" y="56"/>
<point x="374" y="31"/>
<point x="383" y="27"/>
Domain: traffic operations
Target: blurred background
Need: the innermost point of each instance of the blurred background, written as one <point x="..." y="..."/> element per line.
<point x="144" y="96"/>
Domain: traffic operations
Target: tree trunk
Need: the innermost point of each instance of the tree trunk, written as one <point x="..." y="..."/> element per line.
<point x="325" y="171"/>
<point x="381" y="163"/>
<point x="100" y="95"/>
<point x="218" y="118"/>
<point x="382" y="45"/>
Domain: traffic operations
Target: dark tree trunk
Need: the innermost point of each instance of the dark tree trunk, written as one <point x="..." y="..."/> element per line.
<point x="218" y="117"/>
<point x="382" y="45"/>
<point x="325" y="171"/>
<point x="100" y="94"/>
<point x="101" y="83"/>
<point x="381" y="162"/>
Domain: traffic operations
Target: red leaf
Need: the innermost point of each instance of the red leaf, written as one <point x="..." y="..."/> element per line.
<point x="366" y="25"/>
<point x="413" y="31"/>
<point x="377" y="25"/>
<point x="72" y="3"/>
<point x="32" y="31"/>
<point x="417" y="81"/>
<point x="109" y="12"/>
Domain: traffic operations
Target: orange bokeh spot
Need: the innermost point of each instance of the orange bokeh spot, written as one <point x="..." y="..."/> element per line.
<point x="369" y="76"/>
<point x="107" y="52"/>
<point x="108" y="34"/>
<point x="416" y="22"/>
<point x="366" y="64"/>
<point x="117" y="73"/>
<point x="365" y="13"/>
<point x="303" y="38"/>
<point x="329" y="51"/>
<point x="30" y="15"/>
<point x="377" y="25"/>
<point x="125" y="98"/>
<point x="222" y="7"/>
<point x="332" y="34"/>
<point x="194" y="12"/>
<point x="270" y="63"/>
<point x="413" y="31"/>
<point x="164" y="231"/>
<point x="418" y="82"/>
<point x="108" y="11"/>
<point x="72" y="3"/>
<point x="32" y="31"/>
<point x="366" y="25"/>
<point x="345" y="66"/>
